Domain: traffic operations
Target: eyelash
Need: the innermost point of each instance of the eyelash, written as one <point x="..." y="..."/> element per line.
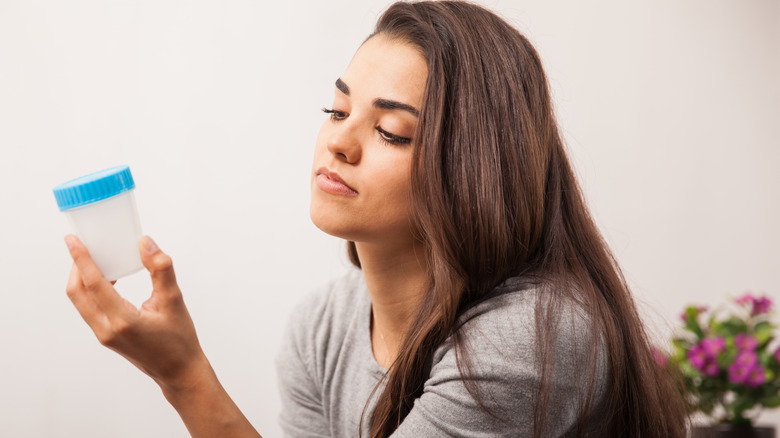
<point x="335" y="115"/>
<point x="386" y="137"/>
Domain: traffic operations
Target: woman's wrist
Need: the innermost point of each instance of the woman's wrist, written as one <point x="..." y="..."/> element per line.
<point x="193" y="378"/>
<point x="203" y="404"/>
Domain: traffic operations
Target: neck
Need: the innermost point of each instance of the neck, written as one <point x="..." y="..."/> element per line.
<point x="397" y="279"/>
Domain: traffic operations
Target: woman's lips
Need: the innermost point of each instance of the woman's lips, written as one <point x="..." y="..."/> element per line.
<point x="332" y="183"/>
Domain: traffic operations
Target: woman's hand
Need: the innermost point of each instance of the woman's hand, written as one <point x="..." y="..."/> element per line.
<point x="159" y="337"/>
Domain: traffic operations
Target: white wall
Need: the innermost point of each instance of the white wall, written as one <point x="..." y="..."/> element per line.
<point x="671" y="110"/>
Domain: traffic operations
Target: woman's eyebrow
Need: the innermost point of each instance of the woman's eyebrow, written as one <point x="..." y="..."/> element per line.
<point x="342" y="86"/>
<point x="388" y="104"/>
<point x="385" y="104"/>
<point x="380" y="103"/>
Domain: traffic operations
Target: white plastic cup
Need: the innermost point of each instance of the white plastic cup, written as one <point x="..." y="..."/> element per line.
<point x="102" y="214"/>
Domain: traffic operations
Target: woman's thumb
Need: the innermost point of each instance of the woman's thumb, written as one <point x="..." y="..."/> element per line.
<point x="159" y="264"/>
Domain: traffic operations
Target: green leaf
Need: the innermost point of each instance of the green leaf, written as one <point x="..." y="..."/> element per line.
<point x="771" y="402"/>
<point x="692" y="321"/>
<point x="727" y="357"/>
<point x="729" y="327"/>
<point x="763" y="333"/>
<point x="740" y="405"/>
<point x="764" y="358"/>
<point x="689" y="371"/>
<point x="681" y="344"/>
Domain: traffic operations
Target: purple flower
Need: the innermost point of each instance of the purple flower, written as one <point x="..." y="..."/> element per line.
<point x="756" y="376"/>
<point x="753" y="375"/>
<point x="697" y="356"/>
<point x="777" y="354"/>
<point x="745" y="359"/>
<point x="703" y="356"/>
<point x="746" y="298"/>
<point x="713" y="346"/>
<point x="745" y="342"/>
<point x="705" y="351"/>
<point x="761" y="305"/>
<point x="738" y="373"/>
<point x="742" y="367"/>
<point x="660" y="358"/>
<point x="711" y="368"/>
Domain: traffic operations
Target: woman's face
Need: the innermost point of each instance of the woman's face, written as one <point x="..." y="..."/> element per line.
<point x="360" y="188"/>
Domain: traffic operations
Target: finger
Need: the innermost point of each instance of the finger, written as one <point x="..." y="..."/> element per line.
<point x="95" y="283"/>
<point x="81" y="299"/>
<point x="159" y="265"/>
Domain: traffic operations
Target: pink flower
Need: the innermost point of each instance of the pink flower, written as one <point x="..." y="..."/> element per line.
<point x="738" y="373"/>
<point x="745" y="342"/>
<point x="703" y="356"/>
<point x="761" y="305"/>
<point x="746" y="298"/>
<point x="697" y="356"/>
<point x="746" y="359"/>
<point x="711" y="368"/>
<point x="744" y="367"/>
<point x="756" y="376"/>
<point x="713" y="346"/>
<point x="660" y="358"/>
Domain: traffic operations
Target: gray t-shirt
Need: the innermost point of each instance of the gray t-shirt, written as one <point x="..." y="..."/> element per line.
<point x="327" y="370"/>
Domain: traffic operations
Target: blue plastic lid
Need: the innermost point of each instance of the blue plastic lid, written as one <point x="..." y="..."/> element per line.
<point x="94" y="187"/>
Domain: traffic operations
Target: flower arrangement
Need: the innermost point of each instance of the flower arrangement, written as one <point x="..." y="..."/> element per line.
<point x="726" y="359"/>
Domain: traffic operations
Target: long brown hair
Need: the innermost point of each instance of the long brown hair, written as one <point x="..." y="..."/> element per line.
<point x="495" y="197"/>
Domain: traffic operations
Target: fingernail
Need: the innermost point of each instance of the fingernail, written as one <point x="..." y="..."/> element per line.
<point x="69" y="242"/>
<point x="150" y="246"/>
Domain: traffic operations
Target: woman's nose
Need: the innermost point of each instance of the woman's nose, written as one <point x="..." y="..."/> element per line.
<point x="344" y="143"/>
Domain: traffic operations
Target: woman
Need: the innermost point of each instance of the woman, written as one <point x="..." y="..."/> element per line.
<point x="486" y="303"/>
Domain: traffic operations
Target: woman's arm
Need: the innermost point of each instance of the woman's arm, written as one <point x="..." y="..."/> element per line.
<point x="159" y="338"/>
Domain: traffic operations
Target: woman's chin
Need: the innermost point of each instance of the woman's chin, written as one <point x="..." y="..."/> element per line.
<point x="331" y="224"/>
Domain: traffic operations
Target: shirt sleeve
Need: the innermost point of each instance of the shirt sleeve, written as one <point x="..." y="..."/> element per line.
<point x="500" y="343"/>
<point x="302" y="413"/>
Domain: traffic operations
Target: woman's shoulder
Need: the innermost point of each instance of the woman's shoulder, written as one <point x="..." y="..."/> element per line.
<point x="326" y="309"/>
<point x="497" y="346"/>
<point x="505" y="334"/>
<point x="511" y="311"/>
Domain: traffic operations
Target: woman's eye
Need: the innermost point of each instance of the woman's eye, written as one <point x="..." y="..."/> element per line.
<point x="385" y="136"/>
<point x="335" y="115"/>
<point x="392" y="138"/>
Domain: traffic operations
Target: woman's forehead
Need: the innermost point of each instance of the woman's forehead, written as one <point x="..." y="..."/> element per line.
<point x="387" y="68"/>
